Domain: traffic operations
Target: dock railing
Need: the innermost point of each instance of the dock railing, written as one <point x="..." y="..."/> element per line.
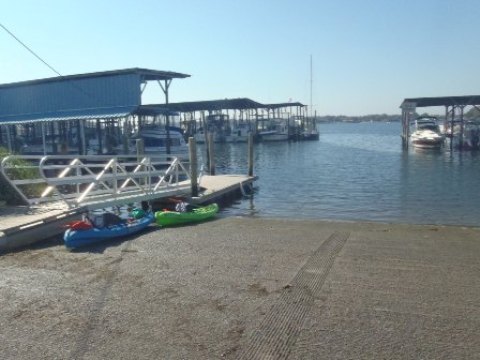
<point x="95" y="181"/>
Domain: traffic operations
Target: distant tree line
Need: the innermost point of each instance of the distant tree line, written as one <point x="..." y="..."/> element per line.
<point x="473" y="113"/>
<point x="364" y="118"/>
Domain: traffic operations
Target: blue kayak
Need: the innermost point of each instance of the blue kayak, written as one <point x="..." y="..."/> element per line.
<point x="74" y="238"/>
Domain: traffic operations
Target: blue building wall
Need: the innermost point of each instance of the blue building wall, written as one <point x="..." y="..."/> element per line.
<point x="69" y="96"/>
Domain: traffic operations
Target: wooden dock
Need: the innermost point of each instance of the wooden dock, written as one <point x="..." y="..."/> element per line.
<point x="217" y="187"/>
<point x="21" y="226"/>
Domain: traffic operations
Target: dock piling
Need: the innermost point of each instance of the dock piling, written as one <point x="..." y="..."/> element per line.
<point x="140" y="147"/>
<point x="211" y="154"/>
<point x="192" y="145"/>
<point x="250" y="154"/>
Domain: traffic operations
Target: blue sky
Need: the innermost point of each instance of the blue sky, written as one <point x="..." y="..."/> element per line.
<point x="368" y="55"/>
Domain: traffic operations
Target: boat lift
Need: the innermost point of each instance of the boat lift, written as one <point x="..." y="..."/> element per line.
<point x="89" y="182"/>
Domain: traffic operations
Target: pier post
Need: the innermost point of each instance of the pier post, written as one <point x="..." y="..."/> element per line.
<point x="451" y="127"/>
<point x="250" y="154"/>
<point x="139" y="144"/>
<point x="82" y="144"/>
<point x="44" y="138"/>
<point x="192" y="146"/>
<point x="9" y="139"/>
<point x="405" y="125"/>
<point x="211" y="153"/>
<point x="125" y="144"/>
<point x="462" y="126"/>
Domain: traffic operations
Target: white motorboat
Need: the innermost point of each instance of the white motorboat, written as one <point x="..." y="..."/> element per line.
<point x="238" y="133"/>
<point x="216" y="125"/>
<point x="277" y="130"/>
<point x="426" y="134"/>
<point x="155" y="141"/>
<point x="200" y="138"/>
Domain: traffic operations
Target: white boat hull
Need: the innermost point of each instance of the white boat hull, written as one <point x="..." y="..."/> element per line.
<point x="427" y="145"/>
<point x="155" y="141"/>
<point x="426" y="135"/>
<point x="427" y="141"/>
<point x="275" y="137"/>
<point x="235" y="139"/>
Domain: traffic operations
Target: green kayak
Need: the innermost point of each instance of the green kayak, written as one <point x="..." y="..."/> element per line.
<point x="172" y="218"/>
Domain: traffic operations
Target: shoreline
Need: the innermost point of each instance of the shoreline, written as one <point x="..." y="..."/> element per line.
<point x="346" y="221"/>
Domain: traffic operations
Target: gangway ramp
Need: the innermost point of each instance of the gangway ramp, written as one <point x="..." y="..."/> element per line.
<point x="95" y="181"/>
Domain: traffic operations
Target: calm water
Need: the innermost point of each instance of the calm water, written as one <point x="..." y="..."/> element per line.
<point x="357" y="172"/>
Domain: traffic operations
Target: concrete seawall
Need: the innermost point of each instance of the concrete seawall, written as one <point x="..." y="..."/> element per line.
<point x="239" y="288"/>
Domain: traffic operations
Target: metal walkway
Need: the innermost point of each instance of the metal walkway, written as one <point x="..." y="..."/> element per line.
<point x="94" y="181"/>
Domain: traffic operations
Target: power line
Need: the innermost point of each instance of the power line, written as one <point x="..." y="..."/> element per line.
<point x="75" y="86"/>
<point x="30" y="50"/>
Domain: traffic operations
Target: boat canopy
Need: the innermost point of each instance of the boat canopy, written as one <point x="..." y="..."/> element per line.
<point x="65" y="115"/>
<point x="208" y="105"/>
<point x="443" y="101"/>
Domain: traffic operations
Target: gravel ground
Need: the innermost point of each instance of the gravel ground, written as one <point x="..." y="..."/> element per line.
<point x="237" y="286"/>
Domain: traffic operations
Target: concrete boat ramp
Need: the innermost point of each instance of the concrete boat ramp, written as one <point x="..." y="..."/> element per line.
<point x="20" y="226"/>
<point x="248" y="288"/>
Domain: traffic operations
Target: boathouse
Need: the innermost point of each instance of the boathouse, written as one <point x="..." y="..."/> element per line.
<point x="232" y="113"/>
<point x="196" y="114"/>
<point x="56" y="110"/>
<point x="454" y="113"/>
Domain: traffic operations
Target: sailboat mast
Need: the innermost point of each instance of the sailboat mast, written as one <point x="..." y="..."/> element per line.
<point x="311" y="85"/>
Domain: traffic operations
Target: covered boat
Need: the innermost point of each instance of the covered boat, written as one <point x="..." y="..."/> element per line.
<point x="173" y="218"/>
<point x="85" y="233"/>
<point x="426" y="134"/>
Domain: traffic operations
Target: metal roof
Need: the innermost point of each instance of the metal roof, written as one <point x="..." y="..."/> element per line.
<point x="209" y="105"/>
<point x="282" y="105"/>
<point x="444" y="101"/>
<point x="84" y="114"/>
<point x="144" y="74"/>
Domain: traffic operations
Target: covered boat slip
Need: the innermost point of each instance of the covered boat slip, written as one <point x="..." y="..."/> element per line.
<point x="454" y="117"/>
<point x="99" y="113"/>
<point x="229" y="116"/>
<point x="55" y="114"/>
